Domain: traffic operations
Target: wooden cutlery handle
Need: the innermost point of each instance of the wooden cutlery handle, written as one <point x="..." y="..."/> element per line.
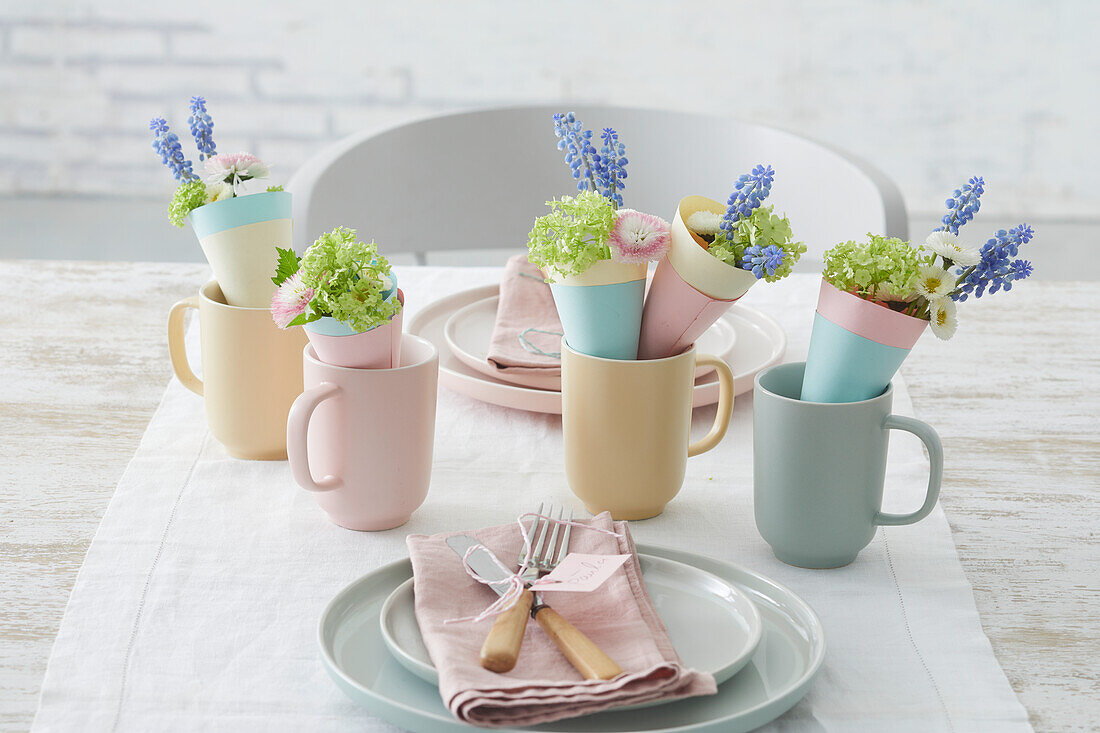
<point x="585" y="656"/>
<point x="501" y="647"/>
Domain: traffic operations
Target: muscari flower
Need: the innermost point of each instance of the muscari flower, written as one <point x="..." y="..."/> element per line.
<point x="234" y="169"/>
<point x="996" y="270"/>
<point x="948" y="246"/>
<point x="934" y="282"/>
<point x="942" y="317"/>
<point x="167" y="146"/>
<point x="963" y="204"/>
<point x="610" y="166"/>
<point x="290" y="300"/>
<point x="579" y="153"/>
<point x="638" y="237"/>
<point x="749" y="192"/>
<point x="762" y="260"/>
<point x="202" y="128"/>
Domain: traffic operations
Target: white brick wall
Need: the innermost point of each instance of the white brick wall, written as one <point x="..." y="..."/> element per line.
<point x="931" y="91"/>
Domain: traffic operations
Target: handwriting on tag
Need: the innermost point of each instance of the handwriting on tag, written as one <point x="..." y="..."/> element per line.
<point x="580" y="573"/>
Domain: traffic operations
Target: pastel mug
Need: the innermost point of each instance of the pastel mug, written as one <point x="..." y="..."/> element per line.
<point x="362" y="439"/>
<point x="626" y="426"/>
<point x="251" y="372"/>
<point x="818" y="470"/>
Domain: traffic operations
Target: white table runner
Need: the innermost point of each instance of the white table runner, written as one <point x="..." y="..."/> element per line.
<point x="198" y="601"/>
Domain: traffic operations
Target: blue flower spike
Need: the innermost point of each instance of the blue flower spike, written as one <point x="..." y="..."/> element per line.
<point x="167" y="145"/>
<point x="963" y="204"/>
<point x="202" y="128"/>
<point x="997" y="269"/>
<point x="601" y="171"/>
<point x="748" y="194"/>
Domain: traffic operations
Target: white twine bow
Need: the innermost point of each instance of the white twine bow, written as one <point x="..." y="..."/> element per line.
<point x="513" y="580"/>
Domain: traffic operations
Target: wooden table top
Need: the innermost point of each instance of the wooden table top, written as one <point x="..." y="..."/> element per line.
<point x="1014" y="396"/>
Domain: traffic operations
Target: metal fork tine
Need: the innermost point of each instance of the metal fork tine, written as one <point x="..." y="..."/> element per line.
<point x="548" y="551"/>
<point x="530" y="534"/>
<point x="536" y="549"/>
<point x="564" y="542"/>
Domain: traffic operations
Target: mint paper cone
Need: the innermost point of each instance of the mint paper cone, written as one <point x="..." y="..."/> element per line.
<point x="239" y="237"/>
<point x="856" y="347"/>
<point x="601" y="309"/>
<point x="691" y="288"/>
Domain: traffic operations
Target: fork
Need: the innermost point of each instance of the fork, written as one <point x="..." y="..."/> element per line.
<point x="501" y="647"/>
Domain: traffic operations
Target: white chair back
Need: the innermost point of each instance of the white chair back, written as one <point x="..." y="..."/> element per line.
<point x="476" y="180"/>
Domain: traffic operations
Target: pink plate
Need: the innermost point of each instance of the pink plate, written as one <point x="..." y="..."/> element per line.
<point x="760" y="343"/>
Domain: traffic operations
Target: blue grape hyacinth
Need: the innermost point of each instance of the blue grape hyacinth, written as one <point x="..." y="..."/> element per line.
<point x="963" y="204"/>
<point x="611" y="166"/>
<point x="762" y="260"/>
<point x="580" y="155"/>
<point x="996" y="270"/>
<point x="167" y="145"/>
<point x="748" y="193"/>
<point x="202" y="128"/>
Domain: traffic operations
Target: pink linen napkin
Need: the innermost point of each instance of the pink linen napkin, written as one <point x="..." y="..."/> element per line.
<point x="619" y="617"/>
<point x="526" y="309"/>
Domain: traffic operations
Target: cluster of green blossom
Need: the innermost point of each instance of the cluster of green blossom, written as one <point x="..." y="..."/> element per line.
<point x="348" y="280"/>
<point x="188" y="197"/>
<point x="761" y="228"/>
<point x="573" y="236"/>
<point x="882" y="268"/>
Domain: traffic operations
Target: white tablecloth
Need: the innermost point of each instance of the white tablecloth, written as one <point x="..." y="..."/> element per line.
<point x="197" y="605"/>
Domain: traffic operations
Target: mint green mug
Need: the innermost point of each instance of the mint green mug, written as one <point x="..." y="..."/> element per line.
<point x="818" y="470"/>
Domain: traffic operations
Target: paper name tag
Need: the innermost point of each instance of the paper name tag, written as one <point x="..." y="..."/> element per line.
<point x="580" y="573"/>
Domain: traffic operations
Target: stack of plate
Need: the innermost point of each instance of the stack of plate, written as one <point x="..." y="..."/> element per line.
<point x="461" y="326"/>
<point x="762" y="643"/>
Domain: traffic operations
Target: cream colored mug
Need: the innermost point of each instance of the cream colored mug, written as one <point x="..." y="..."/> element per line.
<point x="626" y="427"/>
<point x="251" y="372"/>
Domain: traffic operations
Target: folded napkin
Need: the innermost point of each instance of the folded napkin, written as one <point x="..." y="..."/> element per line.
<point x="526" y="313"/>
<point x="619" y="617"/>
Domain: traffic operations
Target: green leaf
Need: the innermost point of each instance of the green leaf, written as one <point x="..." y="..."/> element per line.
<point x="288" y="265"/>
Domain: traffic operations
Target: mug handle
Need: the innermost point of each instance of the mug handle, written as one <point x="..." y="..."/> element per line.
<point x="725" y="405"/>
<point x="177" y="349"/>
<point x="931" y="440"/>
<point x="297" y="428"/>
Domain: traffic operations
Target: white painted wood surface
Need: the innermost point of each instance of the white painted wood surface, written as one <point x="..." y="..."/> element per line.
<point x="83" y="363"/>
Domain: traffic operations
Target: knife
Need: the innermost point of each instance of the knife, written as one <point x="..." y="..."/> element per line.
<point x="582" y="653"/>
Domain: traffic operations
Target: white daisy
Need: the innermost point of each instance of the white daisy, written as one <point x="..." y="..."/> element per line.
<point x="948" y="246"/>
<point x="934" y="282"/>
<point x="234" y="169"/>
<point x="218" y="192"/>
<point x="704" y="222"/>
<point x="941" y="316"/>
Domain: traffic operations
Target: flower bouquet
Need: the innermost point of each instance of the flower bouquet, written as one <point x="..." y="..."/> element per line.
<point x="593" y="253"/>
<point x="344" y="294"/>
<point x="239" y="222"/>
<point x="717" y="253"/>
<point x="877" y="297"/>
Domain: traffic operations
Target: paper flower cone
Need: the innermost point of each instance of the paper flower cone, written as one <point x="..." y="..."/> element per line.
<point x="239" y="237"/>
<point x="691" y="288"/>
<point x="338" y="344"/>
<point x="856" y="347"/>
<point x="601" y="309"/>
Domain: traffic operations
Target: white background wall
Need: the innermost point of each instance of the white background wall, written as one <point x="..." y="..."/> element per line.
<point x="931" y="92"/>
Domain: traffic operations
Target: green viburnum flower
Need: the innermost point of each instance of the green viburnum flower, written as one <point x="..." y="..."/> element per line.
<point x="188" y="197"/>
<point x="763" y="228"/>
<point x="348" y="278"/>
<point x="882" y="268"/>
<point x="573" y="236"/>
<point x="273" y="189"/>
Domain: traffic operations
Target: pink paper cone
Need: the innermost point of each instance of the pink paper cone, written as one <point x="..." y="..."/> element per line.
<point x="675" y="314"/>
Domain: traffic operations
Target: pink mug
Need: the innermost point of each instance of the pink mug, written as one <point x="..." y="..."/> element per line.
<point x="368" y="434"/>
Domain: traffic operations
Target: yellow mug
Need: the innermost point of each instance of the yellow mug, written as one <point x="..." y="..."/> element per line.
<point x="626" y="426"/>
<point x="251" y="372"/>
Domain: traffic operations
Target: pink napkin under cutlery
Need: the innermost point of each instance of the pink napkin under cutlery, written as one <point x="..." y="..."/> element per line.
<point x="526" y="312"/>
<point x="619" y="617"/>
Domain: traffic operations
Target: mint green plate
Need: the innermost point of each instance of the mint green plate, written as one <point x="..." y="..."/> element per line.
<point x="776" y="677"/>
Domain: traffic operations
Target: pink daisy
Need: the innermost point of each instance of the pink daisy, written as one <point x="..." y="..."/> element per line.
<point x="638" y="237"/>
<point x="290" y="300"/>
